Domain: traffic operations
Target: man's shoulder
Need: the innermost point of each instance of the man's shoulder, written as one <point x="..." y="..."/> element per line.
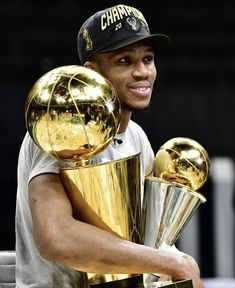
<point x="135" y="129"/>
<point x="133" y="125"/>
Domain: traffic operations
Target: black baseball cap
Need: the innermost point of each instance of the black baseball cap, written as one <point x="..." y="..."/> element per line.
<point x="114" y="28"/>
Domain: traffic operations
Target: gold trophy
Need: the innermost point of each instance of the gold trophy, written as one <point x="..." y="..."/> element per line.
<point x="181" y="167"/>
<point x="73" y="113"/>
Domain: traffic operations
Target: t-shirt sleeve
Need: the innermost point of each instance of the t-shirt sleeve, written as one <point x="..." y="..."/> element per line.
<point x="37" y="161"/>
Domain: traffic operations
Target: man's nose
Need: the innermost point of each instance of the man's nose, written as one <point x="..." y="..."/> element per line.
<point x="141" y="70"/>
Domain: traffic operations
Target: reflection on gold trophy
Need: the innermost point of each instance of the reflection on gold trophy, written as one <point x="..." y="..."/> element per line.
<point x="73" y="113"/>
<point x="170" y="199"/>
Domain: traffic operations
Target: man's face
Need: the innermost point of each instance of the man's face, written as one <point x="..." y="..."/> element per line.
<point x="132" y="72"/>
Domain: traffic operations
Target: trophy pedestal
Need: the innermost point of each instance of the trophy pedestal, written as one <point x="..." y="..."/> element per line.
<point x="137" y="282"/>
<point x="180" y="284"/>
<point x="132" y="282"/>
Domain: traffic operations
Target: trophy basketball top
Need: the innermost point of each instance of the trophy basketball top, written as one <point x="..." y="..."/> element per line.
<point x="182" y="161"/>
<point x="72" y="113"/>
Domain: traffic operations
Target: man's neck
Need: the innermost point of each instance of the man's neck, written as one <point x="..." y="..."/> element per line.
<point x="125" y="118"/>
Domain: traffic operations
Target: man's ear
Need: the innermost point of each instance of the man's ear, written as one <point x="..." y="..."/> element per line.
<point x="89" y="65"/>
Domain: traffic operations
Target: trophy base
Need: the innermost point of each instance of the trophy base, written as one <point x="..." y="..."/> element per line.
<point x="132" y="282"/>
<point x="137" y="282"/>
<point x="180" y="284"/>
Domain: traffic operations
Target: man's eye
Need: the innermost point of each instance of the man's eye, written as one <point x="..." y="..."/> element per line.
<point x="124" y="60"/>
<point x="148" y="59"/>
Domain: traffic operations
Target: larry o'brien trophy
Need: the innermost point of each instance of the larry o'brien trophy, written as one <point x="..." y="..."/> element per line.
<point x="181" y="167"/>
<point x="73" y="113"/>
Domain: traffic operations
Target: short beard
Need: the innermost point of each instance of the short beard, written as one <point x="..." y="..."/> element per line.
<point x="130" y="108"/>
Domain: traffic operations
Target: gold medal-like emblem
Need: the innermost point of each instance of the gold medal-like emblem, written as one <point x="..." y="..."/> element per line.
<point x="87" y="38"/>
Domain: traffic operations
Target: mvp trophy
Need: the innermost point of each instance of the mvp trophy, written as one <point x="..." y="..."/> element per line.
<point x="73" y="113"/>
<point x="181" y="167"/>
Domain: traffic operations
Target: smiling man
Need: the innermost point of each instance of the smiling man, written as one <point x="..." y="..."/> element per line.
<point x="54" y="249"/>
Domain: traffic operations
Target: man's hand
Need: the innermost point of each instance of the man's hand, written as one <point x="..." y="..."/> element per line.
<point x="192" y="269"/>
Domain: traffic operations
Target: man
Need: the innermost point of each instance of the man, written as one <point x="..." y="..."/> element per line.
<point x="52" y="246"/>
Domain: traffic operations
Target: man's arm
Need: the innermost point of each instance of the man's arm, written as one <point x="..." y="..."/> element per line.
<point x="84" y="247"/>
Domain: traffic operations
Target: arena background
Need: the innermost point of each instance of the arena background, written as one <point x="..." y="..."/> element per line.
<point x="193" y="97"/>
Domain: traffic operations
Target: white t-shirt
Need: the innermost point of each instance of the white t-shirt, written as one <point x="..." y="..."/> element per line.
<point x="31" y="269"/>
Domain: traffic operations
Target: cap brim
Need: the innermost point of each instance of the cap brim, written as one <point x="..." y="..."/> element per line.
<point x="158" y="41"/>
